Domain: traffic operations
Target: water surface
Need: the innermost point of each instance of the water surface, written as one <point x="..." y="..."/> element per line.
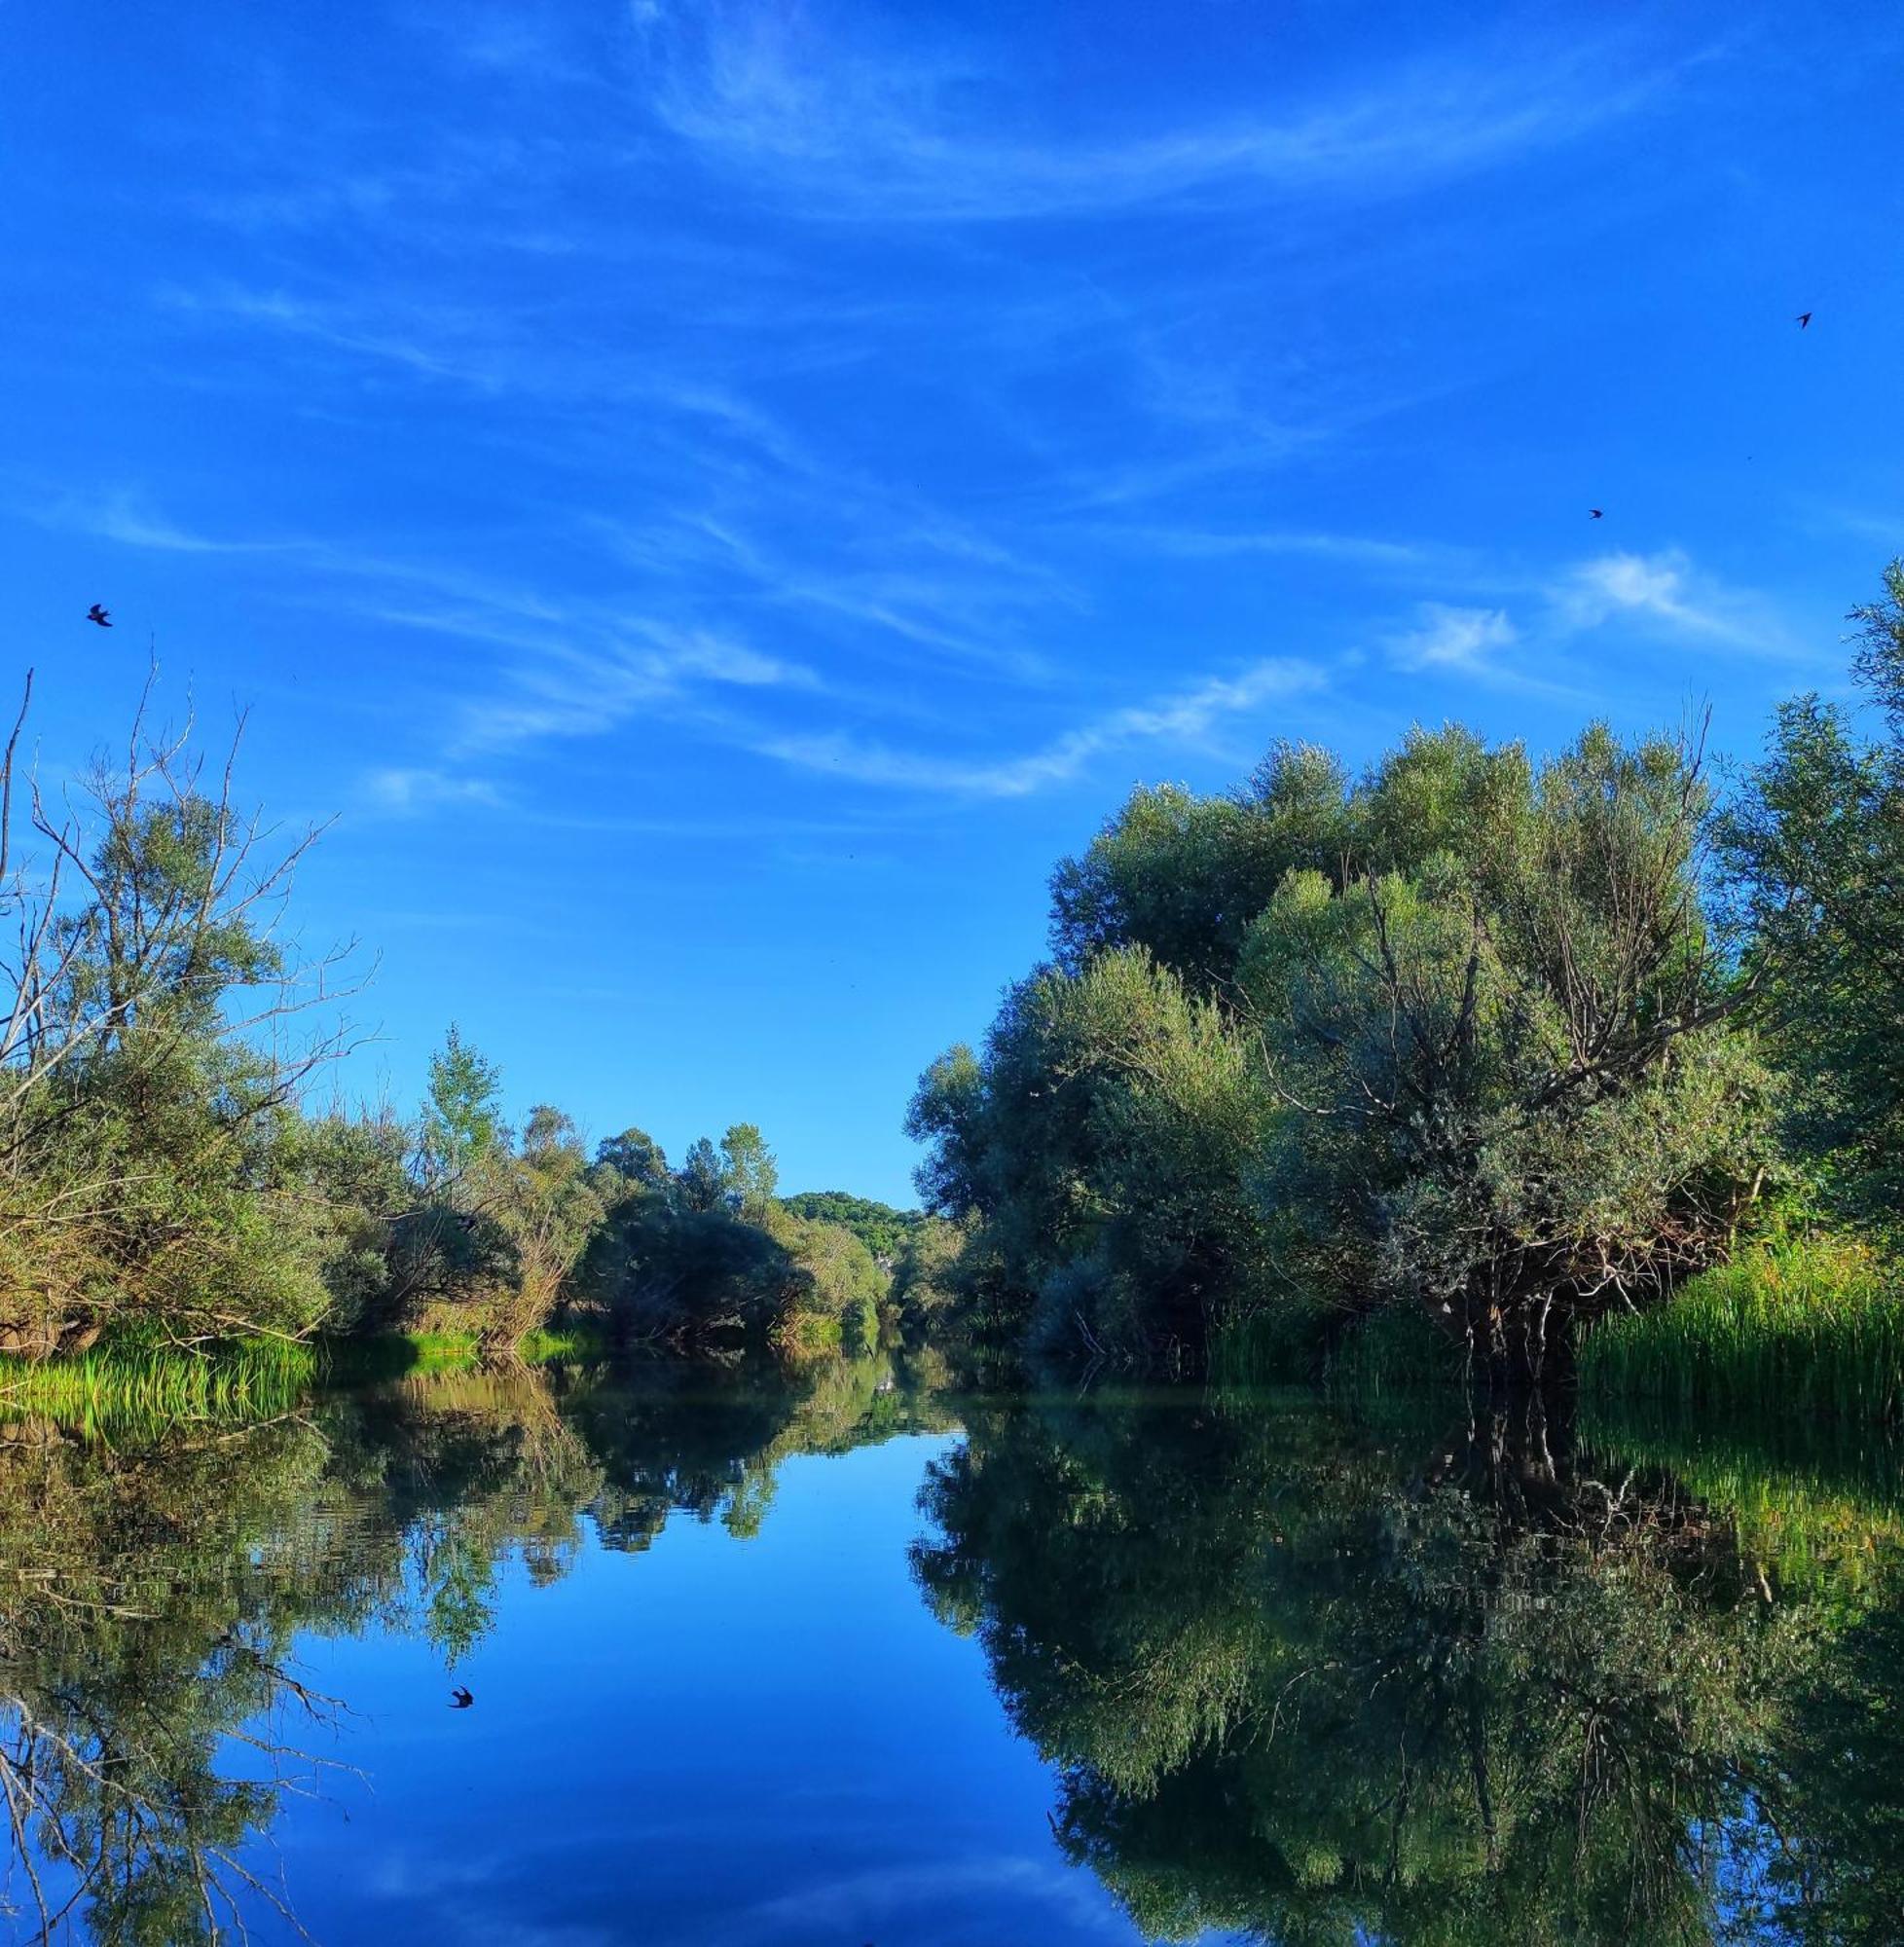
<point x="845" y="1659"/>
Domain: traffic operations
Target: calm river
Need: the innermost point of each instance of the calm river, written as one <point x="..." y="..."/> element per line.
<point x="845" y="1659"/>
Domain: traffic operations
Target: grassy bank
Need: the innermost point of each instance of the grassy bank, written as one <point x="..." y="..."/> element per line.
<point x="392" y="1354"/>
<point x="1393" y="1349"/>
<point x="130" y="1382"/>
<point x="249" y="1379"/>
<point x="1814" y="1326"/>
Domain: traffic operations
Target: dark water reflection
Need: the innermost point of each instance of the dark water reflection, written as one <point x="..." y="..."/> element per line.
<point x="1188" y="1665"/>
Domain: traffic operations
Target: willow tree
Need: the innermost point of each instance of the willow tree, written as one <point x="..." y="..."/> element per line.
<point x="1460" y="1035"/>
<point x="1099" y="1149"/>
<point x="151" y="1057"/>
<point x="1509" y="1078"/>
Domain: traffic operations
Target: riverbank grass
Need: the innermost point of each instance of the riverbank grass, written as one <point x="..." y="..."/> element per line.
<point x="247" y="1380"/>
<point x="1815" y="1325"/>
<point x="1392" y="1350"/>
<point x="390" y="1354"/>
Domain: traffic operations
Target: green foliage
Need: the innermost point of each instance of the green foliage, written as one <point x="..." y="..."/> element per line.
<point x="636" y="1159"/>
<point x="708" y="1255"/>
<point x="1182" y="877"/>
<point x="884" y="1230"/>
<point x="392" y="1355"/>
<point x="1354" y="1357"/>
<point x="153" y="1167"/>
<point x="122" y="1390"/>
<point x="462" y="1115"/>
<point x="541" y="1197"/>
<point x="926" y="1293"/>
<point x="492" y="1225"/>
<point x="749" y="1176"/>
<point x="1817" y="850"/>
<point x="701" y="1182"/>
<point x="1099" y="1151"/>
<point x="1815" y="1325"/>
<point x="1455" y="1037"/>
<point x="837" y="1282"/>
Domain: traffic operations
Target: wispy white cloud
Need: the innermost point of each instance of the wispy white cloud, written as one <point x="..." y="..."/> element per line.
<point x="1465" y="640"/>
<point x="1216" y="543"/>
<point x="904" y="1896"/>
<point x="939" y="588"/>
<point x="1569" y="623"/>
<point x="408" y="791"/>
<point x="866" y="130"/>
<point x="441" y="343"/>
<point x="1181" y="720"/>
<point x="1665" y="591"/>
<point x="1886" y="531"/>
<point x="123" y="517"/>
<point x="569" y="689"/>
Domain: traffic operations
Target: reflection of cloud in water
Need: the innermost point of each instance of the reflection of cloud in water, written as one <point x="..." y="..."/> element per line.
<point x="901" y="1896"/>
<point x="403" y="1873"/>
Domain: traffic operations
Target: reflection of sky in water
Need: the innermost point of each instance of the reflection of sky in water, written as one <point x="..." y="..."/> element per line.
<point x="730" y="1744"/>
<point x="1337" y="1676"/>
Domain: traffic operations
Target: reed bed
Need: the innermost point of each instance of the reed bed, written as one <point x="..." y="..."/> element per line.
<point x="1276" y="1344"/>
<point x="1813" y="1327"/>
<point x="394" y="1354"/>
<point x="248" y="1380"/>
<point x="1395" y="1349"/>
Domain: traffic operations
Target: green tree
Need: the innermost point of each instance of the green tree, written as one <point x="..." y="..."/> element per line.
<point x="541" y="1198"/>
<point x="1817" y="850"/>
<point x="637" y="1161"/>
<point x="927" y="1291"/>
<point x="883" y="1230"/>
<point x="151" y="1067"/>
<point x="1457" y="1036"/>
<point x="749" y="1172"/>
<point x="1510" y="1083"/>
<point x="701" y="1182"/>
<point x="1182" y="877"/>
<point x="462" y="1113"/>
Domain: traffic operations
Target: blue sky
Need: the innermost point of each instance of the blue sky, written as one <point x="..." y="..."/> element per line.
<point x="716" y="498"/>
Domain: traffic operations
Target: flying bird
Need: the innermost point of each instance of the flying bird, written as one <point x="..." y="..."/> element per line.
<point x="1597" y="513"/>
<point x="97" y="614"/>
<point x="461" y="1699"/>
<point x="1804" y="319"/>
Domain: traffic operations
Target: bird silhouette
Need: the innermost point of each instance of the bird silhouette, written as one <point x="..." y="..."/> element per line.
<point x="461" y="1699"/>
<point x="1804" y="319"/>
<point x="97" y="614"/>
<point x="1597" y="513"/>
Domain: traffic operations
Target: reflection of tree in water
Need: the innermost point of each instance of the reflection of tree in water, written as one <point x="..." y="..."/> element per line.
<point x="151" y="1588"/>
<point x="1319" y="1686"/>
<point x="708" y="1441"/>
<point x="453" y="1474"/>
<point x="136" y="1639"/>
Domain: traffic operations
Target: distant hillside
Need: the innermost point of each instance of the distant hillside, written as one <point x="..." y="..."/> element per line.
<point x="878" y="1226"/>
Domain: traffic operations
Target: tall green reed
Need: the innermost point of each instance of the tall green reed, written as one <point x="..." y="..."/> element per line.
<point x="137" y="1385"/>
<point x="1811" y="1326"/>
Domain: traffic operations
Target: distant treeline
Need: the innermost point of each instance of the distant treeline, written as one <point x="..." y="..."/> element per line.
<point x="165" y="1178"/>
<point x="1513" y="1042"/>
